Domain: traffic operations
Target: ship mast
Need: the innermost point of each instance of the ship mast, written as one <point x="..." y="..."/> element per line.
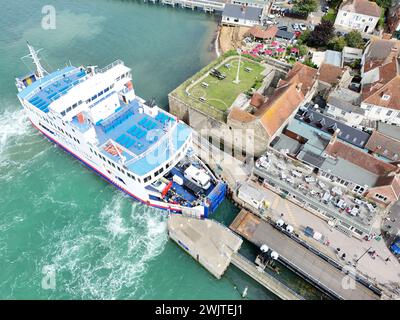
<point x="33" y="54"/>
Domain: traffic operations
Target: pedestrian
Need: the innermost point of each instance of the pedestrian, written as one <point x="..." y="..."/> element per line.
<point x="281" y="215"/>
<point x="387" y="259"/>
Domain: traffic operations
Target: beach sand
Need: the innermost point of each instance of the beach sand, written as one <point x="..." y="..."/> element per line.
<point x="231" y="37"/>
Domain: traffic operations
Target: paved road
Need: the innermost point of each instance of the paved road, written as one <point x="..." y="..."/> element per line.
<point x="292" y="253"/>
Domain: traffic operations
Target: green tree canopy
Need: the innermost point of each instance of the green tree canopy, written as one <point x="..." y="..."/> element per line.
<point x="305" y="6"/>
<point x="384" y="3"/>
<point x="354" y="39"/>
<point x="337" y="43"/>
<point x="322" y="34"/>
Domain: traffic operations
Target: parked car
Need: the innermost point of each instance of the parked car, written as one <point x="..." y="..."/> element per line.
<point x="284" y="28"/>
<point x="295" y="27"/>
<point x="302" y="27"/>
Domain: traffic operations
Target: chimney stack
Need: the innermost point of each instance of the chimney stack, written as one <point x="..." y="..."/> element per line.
<point x="334" y="137"/>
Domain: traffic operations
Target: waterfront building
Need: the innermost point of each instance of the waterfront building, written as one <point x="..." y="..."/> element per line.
<point x="360" y="15"/>
<point x="242" y="15"/>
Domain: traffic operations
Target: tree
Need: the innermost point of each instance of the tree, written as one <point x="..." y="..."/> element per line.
<point x="354" y="39"/>
<point x="338" y="43"/>
<point x="304" y="37"/>
<point x="305" y="6"/>
<point x="303" y="50"/>
<point x="322" y="34"/>
<point x="384" y="3"/>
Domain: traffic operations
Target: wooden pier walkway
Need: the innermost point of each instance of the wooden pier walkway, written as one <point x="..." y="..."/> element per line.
<point x="265" y="279"/>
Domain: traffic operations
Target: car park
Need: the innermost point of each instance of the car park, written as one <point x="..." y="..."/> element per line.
<point x="309" y="179"/>
<point x="296" y="173"/>
<point x="302" y="27"/>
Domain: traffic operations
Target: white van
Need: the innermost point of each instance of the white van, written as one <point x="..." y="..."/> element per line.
<point x="296" y="173"/>
<point x="198" y="177"/>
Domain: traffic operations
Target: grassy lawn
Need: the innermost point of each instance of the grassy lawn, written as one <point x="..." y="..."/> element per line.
<point x="330" y="15"/>
<point x="220" y="94"/>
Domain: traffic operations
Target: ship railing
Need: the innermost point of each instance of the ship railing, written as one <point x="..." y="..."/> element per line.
<point x="111" y="65"/>
<point x="49" y="82"/>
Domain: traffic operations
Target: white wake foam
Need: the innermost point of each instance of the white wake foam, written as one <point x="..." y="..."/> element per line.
<point x="13" y="125"/>
<point x="107" y="256"/>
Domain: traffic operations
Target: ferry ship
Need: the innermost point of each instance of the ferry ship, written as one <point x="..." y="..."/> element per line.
<point x="94" y="114"/>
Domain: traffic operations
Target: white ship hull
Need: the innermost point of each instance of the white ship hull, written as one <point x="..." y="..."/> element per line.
<point x="82" y="153"/>
<point x="95" y="115"/>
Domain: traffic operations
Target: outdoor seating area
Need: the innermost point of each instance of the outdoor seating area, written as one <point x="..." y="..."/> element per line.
<point x="163" y="118"/>
<point x="66" y="79"/>
<point x="280" y="50"/>
<point x="116" y="121"/>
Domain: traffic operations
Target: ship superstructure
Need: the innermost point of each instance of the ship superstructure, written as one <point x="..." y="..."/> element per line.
<point x="94" y="114"/>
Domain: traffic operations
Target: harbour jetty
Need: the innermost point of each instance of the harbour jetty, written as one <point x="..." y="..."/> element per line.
<point x="215" y="247"/>
<point x="332" y="281"/>
<point x="205" y="5"/>
<point x="207" y="241"/>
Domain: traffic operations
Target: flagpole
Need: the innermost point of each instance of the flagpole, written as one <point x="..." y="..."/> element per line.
<point x="237" y="81"/>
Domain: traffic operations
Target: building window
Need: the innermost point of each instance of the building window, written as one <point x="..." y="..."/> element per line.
<point x="380" y="197"/>
<point x="359" y="189"/>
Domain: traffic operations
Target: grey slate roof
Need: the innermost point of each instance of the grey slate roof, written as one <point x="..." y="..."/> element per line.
<point x="389" y="130"/>
<point x="333" y="57"/>
<point x="329" y="125"/>
<point x="344" y="105"/>
<point x="235" y="11"/>
<point x="285" y="35"/>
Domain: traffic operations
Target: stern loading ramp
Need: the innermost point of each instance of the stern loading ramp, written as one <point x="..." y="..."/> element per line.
<point x="299" y="259"/>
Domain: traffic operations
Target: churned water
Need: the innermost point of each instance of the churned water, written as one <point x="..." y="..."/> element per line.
<point x="54" y="212"/>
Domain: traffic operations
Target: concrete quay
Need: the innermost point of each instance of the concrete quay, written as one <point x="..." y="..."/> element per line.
<point x="215" y="247"/>
<point x="207" y="241"/>
<point x="299" y="259"/>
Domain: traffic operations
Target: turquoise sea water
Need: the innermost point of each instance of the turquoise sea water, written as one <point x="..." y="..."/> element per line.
<point x="53" y="210"/>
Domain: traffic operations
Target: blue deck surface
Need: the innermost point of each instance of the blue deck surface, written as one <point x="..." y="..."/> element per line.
<point x="137" y="132"/>
<point x="53" y="86"/>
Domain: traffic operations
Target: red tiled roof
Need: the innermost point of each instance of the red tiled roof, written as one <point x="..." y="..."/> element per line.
<point x="240" y="115"/>
<point x="257" y="100"/>
<point x="329" y="73"/>
<point x="279" y="107"/>
<point x="300" y="73"/>
<point x="366" y="7"/>
<point x="260" y="33"/>
<point x="359" y="158"/>
<point x="379" y="52"/>
<point x="384" y="146"/>
<point x="390" y="89"/>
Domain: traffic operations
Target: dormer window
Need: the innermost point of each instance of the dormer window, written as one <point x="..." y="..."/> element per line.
<point x="386" y="97"/>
